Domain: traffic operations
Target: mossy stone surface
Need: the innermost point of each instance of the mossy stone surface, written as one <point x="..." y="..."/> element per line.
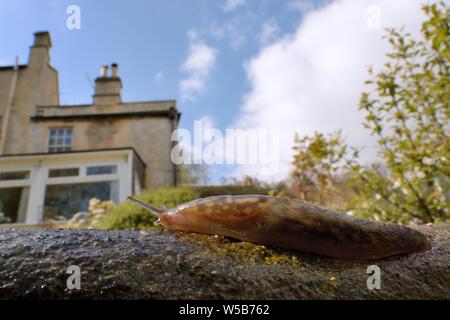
<point x="172" y="265"/>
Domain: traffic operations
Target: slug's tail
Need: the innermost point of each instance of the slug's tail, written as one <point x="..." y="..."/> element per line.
<point x="154" y="211"/>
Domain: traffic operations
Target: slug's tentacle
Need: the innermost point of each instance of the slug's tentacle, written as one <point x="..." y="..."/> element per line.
<point x="153" y="210"/>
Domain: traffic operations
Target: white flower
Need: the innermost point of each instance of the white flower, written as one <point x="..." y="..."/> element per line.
<point x="378" y="196"/>
<point x="397" y="183"/>
<point x="409" y="175"/>
<point x="420" y="175"/>
<point x="427" y="161"/>
<point x="437" y="185"/>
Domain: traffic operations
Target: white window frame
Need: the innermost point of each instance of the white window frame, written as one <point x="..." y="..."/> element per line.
<point x="66" y="147"/>
<point x="39" y="167"/>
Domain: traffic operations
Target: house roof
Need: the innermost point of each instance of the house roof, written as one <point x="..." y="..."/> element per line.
<point x="164" y="108"/>
<point x="20" y="66"/>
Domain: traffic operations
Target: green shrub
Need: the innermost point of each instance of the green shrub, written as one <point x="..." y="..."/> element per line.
<point x="131" y="216"/>
<point x="217" y="190"/>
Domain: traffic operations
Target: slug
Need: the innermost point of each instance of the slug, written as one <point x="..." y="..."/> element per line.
<point x="291" y="224"/>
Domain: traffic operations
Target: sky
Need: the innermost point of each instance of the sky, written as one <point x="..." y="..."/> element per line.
<point x="282" y="66"/>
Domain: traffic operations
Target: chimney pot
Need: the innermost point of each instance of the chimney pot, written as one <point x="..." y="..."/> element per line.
<point x="114" y="70"/>
<point x="104" y="71"/>
<point x="42" y="39"/>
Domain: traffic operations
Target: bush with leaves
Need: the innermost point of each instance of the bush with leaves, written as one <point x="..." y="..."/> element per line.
<point x="131" y="216"/>
<point x="318" y="162"/>
<point x="408" y="112"/>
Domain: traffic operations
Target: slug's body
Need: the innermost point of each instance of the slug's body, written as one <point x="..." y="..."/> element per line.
<point x="292" y="224"/>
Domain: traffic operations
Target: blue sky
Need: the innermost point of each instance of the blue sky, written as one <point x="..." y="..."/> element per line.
<point x="149" y="40"/>
<point x="153" y="40"/>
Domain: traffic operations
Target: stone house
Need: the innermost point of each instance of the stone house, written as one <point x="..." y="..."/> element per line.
<point x="54" y="158"/>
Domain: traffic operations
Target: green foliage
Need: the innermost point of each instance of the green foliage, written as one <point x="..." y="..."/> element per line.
<point x="251" y="185"/>
<point x="407" y="110"/>
<point x="317" y="160"/>
<point x="191" y="174"/>
<point x="131" y="216"/>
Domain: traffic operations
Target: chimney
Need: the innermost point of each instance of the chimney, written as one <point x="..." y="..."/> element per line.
<point x="114" y="70"/>
<point x="40" y="51"/>
<point x="104" y="71"/>
<point x="107" y="88"/>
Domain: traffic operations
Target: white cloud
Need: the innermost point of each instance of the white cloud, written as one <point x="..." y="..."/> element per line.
<point x="230" y="5"/>
<point x="235" y="29"/>
<point x="157" y="77"/>
<point x="197" y="66"/>
<point x="312" y="79"/>
<point x="269" y="32"/>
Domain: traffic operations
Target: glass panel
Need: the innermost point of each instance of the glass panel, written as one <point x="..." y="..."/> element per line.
<point x="60" y="138"/>
<point x="66" y="172"/>
<point x="13" y="204"/>
<point x="112" y="169"/>
<point x="16" y="175"/>
<point x="63" y="201"/>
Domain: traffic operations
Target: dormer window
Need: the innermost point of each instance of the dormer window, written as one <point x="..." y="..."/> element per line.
<point x="60" y="139"/>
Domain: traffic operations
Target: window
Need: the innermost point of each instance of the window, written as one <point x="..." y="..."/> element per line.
<point x="67" y="172"/>
<point x="14" y="175"/>
<point x="60" y="139"/>
<point x="13" y="204"/>
<point x="112" y="169"/>
<point x="62" y="201"/>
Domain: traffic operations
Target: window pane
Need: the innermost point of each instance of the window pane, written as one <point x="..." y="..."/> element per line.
<point x="63" y="201"/>
<point x="60" y="139"/>
<point x="13" y="204"/>
<point x="66" y="172"/>
<point x="15" y="175"/>
<point x="112" y="169"/>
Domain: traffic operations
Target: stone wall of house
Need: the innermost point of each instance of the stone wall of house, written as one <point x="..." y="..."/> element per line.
<point x="36" y="95"/>
<point x="37" y="84"/>
<point x="150" y="136"/>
